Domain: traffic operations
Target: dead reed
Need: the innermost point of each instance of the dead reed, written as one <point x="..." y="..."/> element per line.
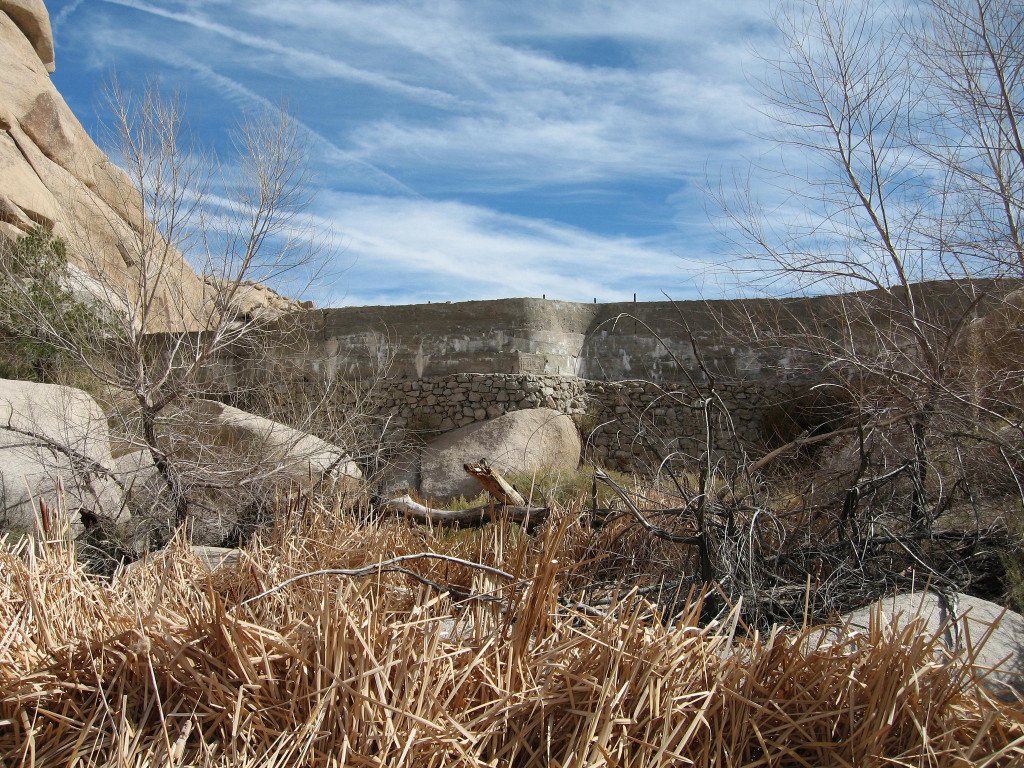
<point x="164" y="666"/>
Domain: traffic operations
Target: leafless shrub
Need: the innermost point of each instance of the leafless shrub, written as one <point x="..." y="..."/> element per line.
<point x="170" y="336"/>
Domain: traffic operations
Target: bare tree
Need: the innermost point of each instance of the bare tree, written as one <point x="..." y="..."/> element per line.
<point x="200" y="231"/>
<point x="897" y="189"/>
<point x="970" y="76"/>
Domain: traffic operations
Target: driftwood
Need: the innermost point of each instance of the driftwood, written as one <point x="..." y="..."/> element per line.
<point x="511" y="505"/>
<point x="494" y="483"/>
<point x="468" y="517"/>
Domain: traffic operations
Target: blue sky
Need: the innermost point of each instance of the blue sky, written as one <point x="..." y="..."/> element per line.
<point x="468" y="149"/>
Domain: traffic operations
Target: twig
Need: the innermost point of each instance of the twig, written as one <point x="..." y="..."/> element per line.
<point x="392" y="566"/>
<point x="650" y="527"/>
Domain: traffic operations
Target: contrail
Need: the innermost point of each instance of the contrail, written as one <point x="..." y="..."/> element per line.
<point x="57" y="21"/>
<point x="332" y="66"/>
<point x="238" y="92"/>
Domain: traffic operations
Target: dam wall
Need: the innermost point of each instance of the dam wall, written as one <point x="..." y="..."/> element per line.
<point x="653" y="341"/>
<point x="635" y="376"/>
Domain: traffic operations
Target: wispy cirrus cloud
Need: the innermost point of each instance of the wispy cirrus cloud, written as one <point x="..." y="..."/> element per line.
<point x="307" y="62"/>
<point x="58" y="19"/>
<point x="560" y="144"/>
<point x="434" y="251"/>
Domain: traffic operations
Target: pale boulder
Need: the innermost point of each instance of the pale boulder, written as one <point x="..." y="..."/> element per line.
<point x="137" y="473"/>
<point x="252" y="301"/>
<point x="33" y="20"/>
<point x="53" y="436"/>
<point x="971" y="621"/>
<point x="232" y="465"/>
<point x="221" y="448"/>
<point x="207" y="559"/>
<point x="525" y="441"/>
<point x="213" y="558"/>
<point x="277" y="453"/>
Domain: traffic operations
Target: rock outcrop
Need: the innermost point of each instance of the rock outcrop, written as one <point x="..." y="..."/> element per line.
<point x="52" y="437"/>
<point x="255" y="301"/>
<point x="53" y="174"/>
<point x="531" y="440"/>
<point x="33" y="20"/>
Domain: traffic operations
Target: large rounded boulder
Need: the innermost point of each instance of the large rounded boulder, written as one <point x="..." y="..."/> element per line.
<point x="527" y="441"/>
<point x="283" y="454"/>
<point x="54" y="448"/>
<point x="229" y="463"/>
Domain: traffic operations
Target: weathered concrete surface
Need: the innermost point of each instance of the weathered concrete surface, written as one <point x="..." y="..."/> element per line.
<point x="604" y="342"/>
<point x="505" y="336"/>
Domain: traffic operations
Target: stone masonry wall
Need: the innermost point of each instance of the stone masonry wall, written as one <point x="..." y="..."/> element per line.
<point x="628" y="425"/>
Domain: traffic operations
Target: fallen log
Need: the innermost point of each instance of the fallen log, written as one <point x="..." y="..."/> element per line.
<point x="474" y="516"/>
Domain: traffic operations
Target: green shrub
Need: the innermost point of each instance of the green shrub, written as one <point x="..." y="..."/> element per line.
<point x="34" y="298"/>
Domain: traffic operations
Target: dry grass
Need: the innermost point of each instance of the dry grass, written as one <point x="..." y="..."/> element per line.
<point x="164" y="666"/>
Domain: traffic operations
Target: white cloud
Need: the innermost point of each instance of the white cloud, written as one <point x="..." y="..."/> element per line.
<point x="449" y="250"/>
<point x="301" y="61"/>
<point x="501" y="105"/>
<point x="57" y="21"/>
<point x="509" y="108"/>
<point x="246" y="97"/>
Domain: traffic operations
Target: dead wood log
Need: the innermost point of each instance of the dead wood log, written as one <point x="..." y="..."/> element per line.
<point x="494" y="483"/>
<point x="468" y="517"/>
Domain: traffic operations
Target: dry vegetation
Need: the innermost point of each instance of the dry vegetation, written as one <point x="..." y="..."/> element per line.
<point x="164" y="665"/>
